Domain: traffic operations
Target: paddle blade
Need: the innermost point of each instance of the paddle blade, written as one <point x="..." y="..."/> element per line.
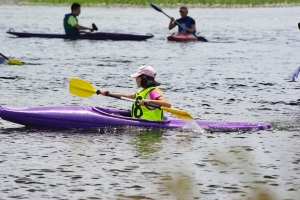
<point x="299" y="25"/>
<point x="155" y="7"/>
<point x="15" y="62"/>
<point x="81" y="88"/>
<point x="178" y="113"/>
<point x="202" y="39"/>
<point x="95" y="27"/>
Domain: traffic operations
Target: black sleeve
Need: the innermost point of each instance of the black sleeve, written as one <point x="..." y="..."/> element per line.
<point x="193" y="22"/>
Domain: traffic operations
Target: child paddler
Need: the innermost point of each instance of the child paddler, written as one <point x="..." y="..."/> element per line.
<point x="149" y="93"/>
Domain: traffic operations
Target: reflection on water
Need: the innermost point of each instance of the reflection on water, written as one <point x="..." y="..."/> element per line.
<point x="147" y="142"/>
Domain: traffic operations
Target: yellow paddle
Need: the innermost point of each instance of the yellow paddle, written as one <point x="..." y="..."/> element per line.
<point x="84" y="89"/>
<point x="11" y="61"/>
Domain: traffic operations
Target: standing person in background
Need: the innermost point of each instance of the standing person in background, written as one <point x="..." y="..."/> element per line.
<point x="71" y="25"/>
<point x="188" y="23"/>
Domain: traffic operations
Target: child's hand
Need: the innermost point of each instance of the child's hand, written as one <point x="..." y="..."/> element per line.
<point x="104" y="92"/>
<point x="143" y="101"/>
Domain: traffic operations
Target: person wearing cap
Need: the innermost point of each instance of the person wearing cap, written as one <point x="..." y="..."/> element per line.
<point x="188" y="23"/>
<point x="71" y="25"/>
<point x="149" y="93"/>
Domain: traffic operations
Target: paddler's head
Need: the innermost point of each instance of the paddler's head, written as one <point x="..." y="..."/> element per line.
<point x="145" y="77"/>
<point x="183" y="11"/>
<point x="75" y="8"/>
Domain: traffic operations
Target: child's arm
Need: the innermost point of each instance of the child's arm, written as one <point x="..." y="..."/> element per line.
<point x="161" y="101"/>
<point x="130" y="96"/>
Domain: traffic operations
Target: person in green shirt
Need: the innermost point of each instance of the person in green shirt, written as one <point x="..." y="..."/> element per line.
<point x="71" y="25"/>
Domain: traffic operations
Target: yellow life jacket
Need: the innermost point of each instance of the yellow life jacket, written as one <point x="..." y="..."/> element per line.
<point x="145" y="112"/>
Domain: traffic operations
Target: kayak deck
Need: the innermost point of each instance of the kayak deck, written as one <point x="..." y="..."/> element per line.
<point x="88" y="117"/>
<point x="90" y="36"/>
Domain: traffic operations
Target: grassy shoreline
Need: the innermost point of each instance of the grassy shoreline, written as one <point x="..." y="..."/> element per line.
<point x="162" y="3"/>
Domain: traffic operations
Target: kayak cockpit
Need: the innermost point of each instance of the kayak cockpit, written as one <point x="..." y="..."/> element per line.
<point x="125" y="114"/>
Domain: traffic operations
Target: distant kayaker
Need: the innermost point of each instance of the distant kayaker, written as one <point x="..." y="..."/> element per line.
<point x="149" y="93"/>
<point x="188" y="23"/>
<point x="71" y="22"/>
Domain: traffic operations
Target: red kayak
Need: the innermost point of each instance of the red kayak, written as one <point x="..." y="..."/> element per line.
<point x="184" y="37"/>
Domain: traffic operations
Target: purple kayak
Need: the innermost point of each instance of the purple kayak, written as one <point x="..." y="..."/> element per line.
<point x="91" y="36"/>
<point x="87" y="117"/>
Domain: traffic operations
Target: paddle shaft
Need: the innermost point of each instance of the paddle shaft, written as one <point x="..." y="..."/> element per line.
<point x="127" y="99"/>
<point x="174" y="20"/>
<point x="4" y="56"/>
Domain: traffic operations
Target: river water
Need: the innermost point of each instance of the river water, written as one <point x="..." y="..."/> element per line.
<point x="242" y="74"/>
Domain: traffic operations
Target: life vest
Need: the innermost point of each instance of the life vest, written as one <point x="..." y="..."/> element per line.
<point x="68" y="28"/>
<point x="145" y="112"/>
<point x="185" y="23"/>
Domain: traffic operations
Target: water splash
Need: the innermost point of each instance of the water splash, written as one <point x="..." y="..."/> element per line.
<point x="192" y="126"/>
